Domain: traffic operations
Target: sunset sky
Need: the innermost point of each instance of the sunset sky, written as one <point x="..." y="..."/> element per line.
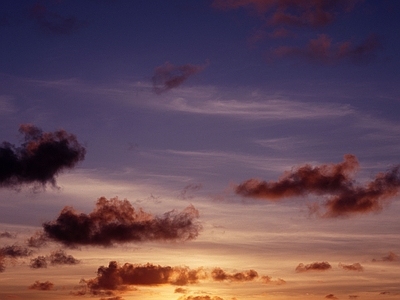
<point x="200" y="149"/>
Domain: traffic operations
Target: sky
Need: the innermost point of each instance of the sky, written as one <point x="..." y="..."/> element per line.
<point x="199" y="149"/>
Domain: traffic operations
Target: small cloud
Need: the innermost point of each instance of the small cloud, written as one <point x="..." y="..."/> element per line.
<point x="269" y="280"/>
<point x="220" y="275"/>
<point x="331" y="296"/>
<point x="181" y="290"/>
<point x="41" y="286"/>
<point x="6" y="234"/>
<point x="390" y="257"/>
<point x="316" y="266"/>
<point x="59" y="257"/>
<point x="38" y="262"/>
<point x="188" y="189"/>
<point x="353" y="267"/>
<point x="353" y="296"/>
<point x="169" y="76"/>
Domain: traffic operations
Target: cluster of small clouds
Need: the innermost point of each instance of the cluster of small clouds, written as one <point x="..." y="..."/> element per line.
<point x="335" y="180"/>
<point x="120" y="278"/>
<point x="286" y="18"/>
<point x="58" y="257"/>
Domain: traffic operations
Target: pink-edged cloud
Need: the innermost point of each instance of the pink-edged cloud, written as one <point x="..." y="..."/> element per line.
<point x="335" y="181"/>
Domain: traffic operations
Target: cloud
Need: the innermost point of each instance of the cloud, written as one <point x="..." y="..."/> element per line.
<point x="55" y="23"/>
<point x="38" y="262"/>
<point x="334" y="180"/>
<point x="40" y="158"/>
<point x="331" y="296"/>
<point x="269" y="280"/>
<point x="12" y="252"/>
<point x="188" y="189"/>
<point x="168" y="76"/>
<point x="41" y="286"/>
<point x="116" y="221"/>
<point x="322" y="50"/>
<point x="353" y="267"/>
<point x="220" y="275"/>
<point x="59" y="257"/>
<point x="353" y="296"/>
<point x="117" y="277"/>
<point x="316" y="266"/>
<point x="180" y="290"/>
<point x="6" y="234"/>
<point x="390" y="257"/>
<point x="303" y="13"/>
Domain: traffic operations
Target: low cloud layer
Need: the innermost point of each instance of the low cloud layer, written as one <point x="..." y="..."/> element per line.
<point x="169" y="76"/>
<point x="316" y="266"/>
<point x="335" y="181"/>
<point x="41" y="157"/>
<point x="116" y="221"/>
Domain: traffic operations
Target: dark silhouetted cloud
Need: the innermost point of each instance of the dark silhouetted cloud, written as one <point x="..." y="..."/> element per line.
<point x="323" y="50"/>
<point x="331" y="296"/>
<point x="353" y="267"/>
<point x="15" y="251"/>
<point x="316" y="266"/>
<point x="37" y="240"/>
<point x="41" y="286"/>
<point x="38" y="262"/>
<point x="168" y="76"/>
<point x="59" y="257"/>
<point x="181" y="290"/>
<point x="118" y="278"/>
<point x="116" y="221"/>
<point x="40" y="158"/>
<point x="334" y="180"/>
<point x="55" y="23"/>
<point x="220" y="275"/>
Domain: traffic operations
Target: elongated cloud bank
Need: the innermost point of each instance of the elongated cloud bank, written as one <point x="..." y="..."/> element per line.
<point x="168" y="76"/>
<point x="119" y="278"/>
<point x="40" y="158"/>
<point x="116" y="221"/>
<point x="334" y="180"/>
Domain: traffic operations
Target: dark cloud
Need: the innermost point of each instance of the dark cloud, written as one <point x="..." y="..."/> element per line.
<point x="220" y="275"/>
<point x="168" y="76"/>
<point x="59" y="257"/>
<point x="15" y="251"/>
<point x="38" y="262"/>
<point x="37" y="240"/>
<point x="390" y="257"/>
<point x="322" y="50"/>
<point x="181" y="290"/>
<point x="116" y="221"/>
<point x="353" y="267"/>
<point x="55" y="23"/>
<point x="331" y="296"/>
<point x="6" y="234"/>
<point x="298" y="13"/>
<point x="41" y="286"/>
<point x="316" y="266"/>
<point x="353" y="296"/>
<point x="334" y="180"/>
<point x="118" y="278"/>
<point x="40" y="158"/>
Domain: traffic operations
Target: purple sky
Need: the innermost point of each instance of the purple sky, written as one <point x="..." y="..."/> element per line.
<point x="245" y="135"/>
